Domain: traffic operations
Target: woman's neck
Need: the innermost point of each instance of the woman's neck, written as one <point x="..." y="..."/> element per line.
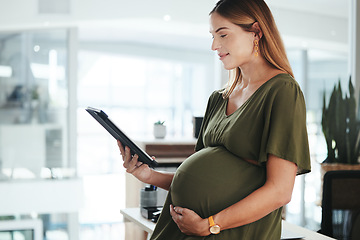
<point x="257" y="73"/>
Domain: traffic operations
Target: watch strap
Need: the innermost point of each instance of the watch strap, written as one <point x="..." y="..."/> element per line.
<point x="211" y="221"/>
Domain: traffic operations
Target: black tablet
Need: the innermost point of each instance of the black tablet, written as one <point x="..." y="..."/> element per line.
<point x="104" y="120"/>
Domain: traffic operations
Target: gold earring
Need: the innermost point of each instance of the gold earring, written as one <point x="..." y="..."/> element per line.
<point x="256" y="48"/>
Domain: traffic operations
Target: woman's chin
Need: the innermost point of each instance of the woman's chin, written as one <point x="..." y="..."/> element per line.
<point x="228" y="66"/>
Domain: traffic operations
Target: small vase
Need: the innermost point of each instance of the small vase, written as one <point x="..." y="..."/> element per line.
<point x="159" y="131"/>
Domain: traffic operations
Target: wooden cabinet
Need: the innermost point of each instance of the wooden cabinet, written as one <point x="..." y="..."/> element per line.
<point x="169" y="150"/>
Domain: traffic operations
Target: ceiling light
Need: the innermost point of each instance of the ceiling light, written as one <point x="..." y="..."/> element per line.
<point x="36" y="48"/>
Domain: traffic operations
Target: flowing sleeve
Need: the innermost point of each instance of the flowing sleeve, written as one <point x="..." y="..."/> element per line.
<point x="285" y="134"/>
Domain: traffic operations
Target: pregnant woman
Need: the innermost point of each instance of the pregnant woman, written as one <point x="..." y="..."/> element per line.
<point x="252" y="143"/>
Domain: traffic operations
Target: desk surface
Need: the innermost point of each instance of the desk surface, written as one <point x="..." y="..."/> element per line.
<point x="133" y="215"/>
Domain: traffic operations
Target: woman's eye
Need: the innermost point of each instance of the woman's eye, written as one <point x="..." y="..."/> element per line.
<point x="223" y="35"/>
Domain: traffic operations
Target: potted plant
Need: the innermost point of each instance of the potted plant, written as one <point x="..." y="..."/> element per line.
<point x="341" y="128"/>
<point x="159" y="129"/>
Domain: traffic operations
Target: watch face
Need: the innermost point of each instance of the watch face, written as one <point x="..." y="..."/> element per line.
<point x="215" y="229"/>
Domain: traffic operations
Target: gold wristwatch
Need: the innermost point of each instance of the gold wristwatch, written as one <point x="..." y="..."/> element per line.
<point x="214" y="228"/>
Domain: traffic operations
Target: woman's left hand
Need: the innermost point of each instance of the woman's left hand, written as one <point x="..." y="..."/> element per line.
<point x="189" y="222"/>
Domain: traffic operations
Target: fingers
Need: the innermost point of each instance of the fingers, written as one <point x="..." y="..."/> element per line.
<point x="122" y="149"/>
<point x="177" y="210"/>
<point x="174" y="214"/>
<point x="189" y="222"/>
<point x="131" y="163"/>
<point x="177" y="216"/>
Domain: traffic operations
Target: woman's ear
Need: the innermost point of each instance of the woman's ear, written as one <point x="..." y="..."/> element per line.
<point x="257" y="30"/>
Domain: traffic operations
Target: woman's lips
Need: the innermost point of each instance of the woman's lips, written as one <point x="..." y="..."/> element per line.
<point x="223" y="55"/>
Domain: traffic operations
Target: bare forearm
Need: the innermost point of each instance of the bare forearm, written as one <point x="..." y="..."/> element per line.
<point x="160" y="179"/>
<point x="275" y="193"/>
<point x="252" y="208"/>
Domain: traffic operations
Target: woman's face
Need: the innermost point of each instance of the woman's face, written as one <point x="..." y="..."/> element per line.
<point x="234" y="45"/>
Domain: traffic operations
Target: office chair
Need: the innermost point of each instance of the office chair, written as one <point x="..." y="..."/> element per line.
<point x="341" y="205"/>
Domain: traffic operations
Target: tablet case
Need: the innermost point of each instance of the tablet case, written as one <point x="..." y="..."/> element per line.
<point x="104" y="120"/>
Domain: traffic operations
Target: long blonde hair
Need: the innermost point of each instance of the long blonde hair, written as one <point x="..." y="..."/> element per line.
<point x="245" y="13"/>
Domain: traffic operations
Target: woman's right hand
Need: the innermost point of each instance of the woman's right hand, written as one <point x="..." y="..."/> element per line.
<point x="140" y="170"/>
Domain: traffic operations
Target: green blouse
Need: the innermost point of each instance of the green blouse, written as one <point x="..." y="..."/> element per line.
<point x="271" y="121"/>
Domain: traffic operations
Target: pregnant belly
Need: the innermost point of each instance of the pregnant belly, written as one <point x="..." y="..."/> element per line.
<point x="213" y="179"/>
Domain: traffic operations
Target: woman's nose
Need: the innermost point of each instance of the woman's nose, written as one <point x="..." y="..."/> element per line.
<point x="214" y="45"/>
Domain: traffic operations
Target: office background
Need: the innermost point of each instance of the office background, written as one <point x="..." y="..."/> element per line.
<point x="141" y="61"/>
